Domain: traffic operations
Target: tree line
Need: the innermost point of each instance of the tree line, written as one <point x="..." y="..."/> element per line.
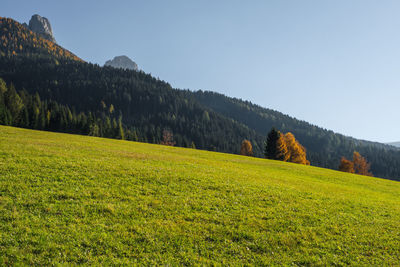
<point x="358" y="165"/>
<point x="22" y="109"/>
<point x="279" y="146"/>
<point x="145" y="107"/>
<point x="324" y="147"/>
<point x="285" y="147"/>
<point x="28" y="111"/>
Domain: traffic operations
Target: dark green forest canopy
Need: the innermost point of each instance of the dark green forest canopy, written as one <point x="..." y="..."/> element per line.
<point x="324" y="147"/>
<point x="146" y="105"/>
<point x="80" y="95"/>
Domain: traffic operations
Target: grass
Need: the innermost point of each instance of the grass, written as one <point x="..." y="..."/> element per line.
<point x="69" y="199"/>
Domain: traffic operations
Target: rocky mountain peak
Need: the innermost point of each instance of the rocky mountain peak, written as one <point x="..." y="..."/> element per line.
<point x="122" y="62"/>
<point x="41" y="26"/>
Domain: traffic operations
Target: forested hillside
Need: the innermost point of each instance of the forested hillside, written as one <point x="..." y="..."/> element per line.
<point x="324" y="147"/>
<point x="18" y="40"/>
<point x="144" y="107"/>
<point x="147" y="106"/>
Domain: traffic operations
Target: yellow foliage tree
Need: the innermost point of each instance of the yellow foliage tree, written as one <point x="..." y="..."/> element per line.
<point x="297" y="153"/>
<point x="283" y="152"/>
<point x="246" y="149"/>
<point x="284" y="147"/>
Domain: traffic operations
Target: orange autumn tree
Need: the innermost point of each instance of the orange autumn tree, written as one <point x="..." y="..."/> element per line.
<point x="297" y="153"/>
<point x="246" y="149"/>
<point x="359" y="165"/>
<point x="285" y="147"/>
<point x="346" y="165"/>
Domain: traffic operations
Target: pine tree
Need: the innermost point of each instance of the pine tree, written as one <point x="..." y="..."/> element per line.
<point x="3" y="109"/>
<point x="134" y="136"/>
<point x="3" y="87"/>
<point x="275" y="147"/>
<point x="115" y="128"/>
<point x="121" y="134"/>
<point x="13" y="102"/>
<point x="94" y="130"/>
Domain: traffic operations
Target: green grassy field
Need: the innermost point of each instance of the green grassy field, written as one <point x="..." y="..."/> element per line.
<point x="67" y="199"/>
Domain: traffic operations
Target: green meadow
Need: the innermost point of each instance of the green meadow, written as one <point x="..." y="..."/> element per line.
<point x="69" y="199"/>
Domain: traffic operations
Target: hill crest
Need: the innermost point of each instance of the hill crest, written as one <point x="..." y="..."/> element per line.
<point x="147" y="106"/>
<point x="16" y="39"/>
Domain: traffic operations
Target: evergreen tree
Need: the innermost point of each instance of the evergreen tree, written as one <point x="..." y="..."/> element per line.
<point x="13" y="102"/>
<point x="134" y="136"/>
<point x="94" y="130"/>
<point x="121" y="134"/>
<point x="3" y="87"/>
<point x="3" y="109"/>
<point x="275" y="147"/>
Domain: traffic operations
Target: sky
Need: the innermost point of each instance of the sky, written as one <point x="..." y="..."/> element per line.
<point x="335" y="64"/>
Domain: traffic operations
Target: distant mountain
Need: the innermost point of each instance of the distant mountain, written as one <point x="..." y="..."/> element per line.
<point x="98" y="100"/>
<point x="396" y="144"/>
<point x="16" y="39"/>
<point x="41" y="26"/>
<point x="122" y="62"/>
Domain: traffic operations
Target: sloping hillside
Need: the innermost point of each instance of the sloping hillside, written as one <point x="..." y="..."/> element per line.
<point x="147" y="106"/>
<point x="69" y="199"/>
<point x="324" y="147"/>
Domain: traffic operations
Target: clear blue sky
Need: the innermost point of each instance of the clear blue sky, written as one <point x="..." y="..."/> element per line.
<point x="335" y="64"/>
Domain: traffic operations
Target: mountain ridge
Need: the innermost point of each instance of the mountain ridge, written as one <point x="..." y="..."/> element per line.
<point x="122" y="62"/>
<point x="147" y="106"/>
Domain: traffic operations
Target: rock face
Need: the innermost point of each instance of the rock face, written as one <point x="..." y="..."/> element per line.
<point x="122" y="62"/>
<point x="41" y="26"/>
